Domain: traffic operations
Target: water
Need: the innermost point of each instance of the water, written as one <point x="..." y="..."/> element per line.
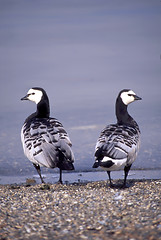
<point x="82" y="54"/>
<point x="80" y="177"/>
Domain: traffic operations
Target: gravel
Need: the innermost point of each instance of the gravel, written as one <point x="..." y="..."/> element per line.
<point x="90" y="210"/>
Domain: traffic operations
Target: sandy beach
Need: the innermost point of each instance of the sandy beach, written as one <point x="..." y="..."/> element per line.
<point x="81" y="211"/>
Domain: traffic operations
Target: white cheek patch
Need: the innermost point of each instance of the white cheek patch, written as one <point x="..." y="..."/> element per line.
<point x="35" y="95"/>
<point x="126" y="98"/>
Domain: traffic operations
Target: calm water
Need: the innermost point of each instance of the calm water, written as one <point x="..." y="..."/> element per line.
<point x="82" y="54"/>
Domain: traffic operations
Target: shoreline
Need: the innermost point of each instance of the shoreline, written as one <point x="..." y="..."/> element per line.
<point x="77" y="211"/>
<point x="72" y="177"/>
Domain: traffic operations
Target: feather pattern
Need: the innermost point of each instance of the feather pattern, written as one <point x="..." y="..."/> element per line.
<point x="43" y="140"/>
<point x="118" y="142"/>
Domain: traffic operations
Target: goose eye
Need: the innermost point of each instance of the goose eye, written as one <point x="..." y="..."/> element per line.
<point x="130" y="95"/>
<point x="31" y="94"/>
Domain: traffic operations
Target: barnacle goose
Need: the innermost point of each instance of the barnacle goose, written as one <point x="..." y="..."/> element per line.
<point x="44" y="139"/>
<point x="118" y="143"/>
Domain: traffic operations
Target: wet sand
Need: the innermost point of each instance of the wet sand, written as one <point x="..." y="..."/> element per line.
<point x="90" y="210"/>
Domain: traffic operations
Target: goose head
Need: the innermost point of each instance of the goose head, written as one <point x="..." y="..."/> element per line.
<point x="35" y="95"/>
<point x="128" y="96"/>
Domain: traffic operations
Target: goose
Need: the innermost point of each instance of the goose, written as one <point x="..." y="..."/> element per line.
<point x="118" y="144"/>
<point x="44" y="139"/>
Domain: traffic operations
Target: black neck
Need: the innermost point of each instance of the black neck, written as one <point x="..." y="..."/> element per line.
<point x="123" y="118"/>
<point x="43" y="109"/>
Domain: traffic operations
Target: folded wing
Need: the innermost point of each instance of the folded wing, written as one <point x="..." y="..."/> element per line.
<point x="46" y="142"/>
<point x="117" y="143"/>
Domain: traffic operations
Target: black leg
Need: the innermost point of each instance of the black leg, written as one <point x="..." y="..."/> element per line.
<point x="60" y="177"/>
<point x="109" y="175"/>
<point x="126" y="170"/>
<point x="39" y="171"/>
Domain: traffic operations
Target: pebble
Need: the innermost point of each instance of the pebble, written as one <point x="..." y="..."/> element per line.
<point x="81" y="211"/>
<point x="117" y="197"/>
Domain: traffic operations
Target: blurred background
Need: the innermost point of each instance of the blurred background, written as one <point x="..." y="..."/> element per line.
<point x="82" y="53"/>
